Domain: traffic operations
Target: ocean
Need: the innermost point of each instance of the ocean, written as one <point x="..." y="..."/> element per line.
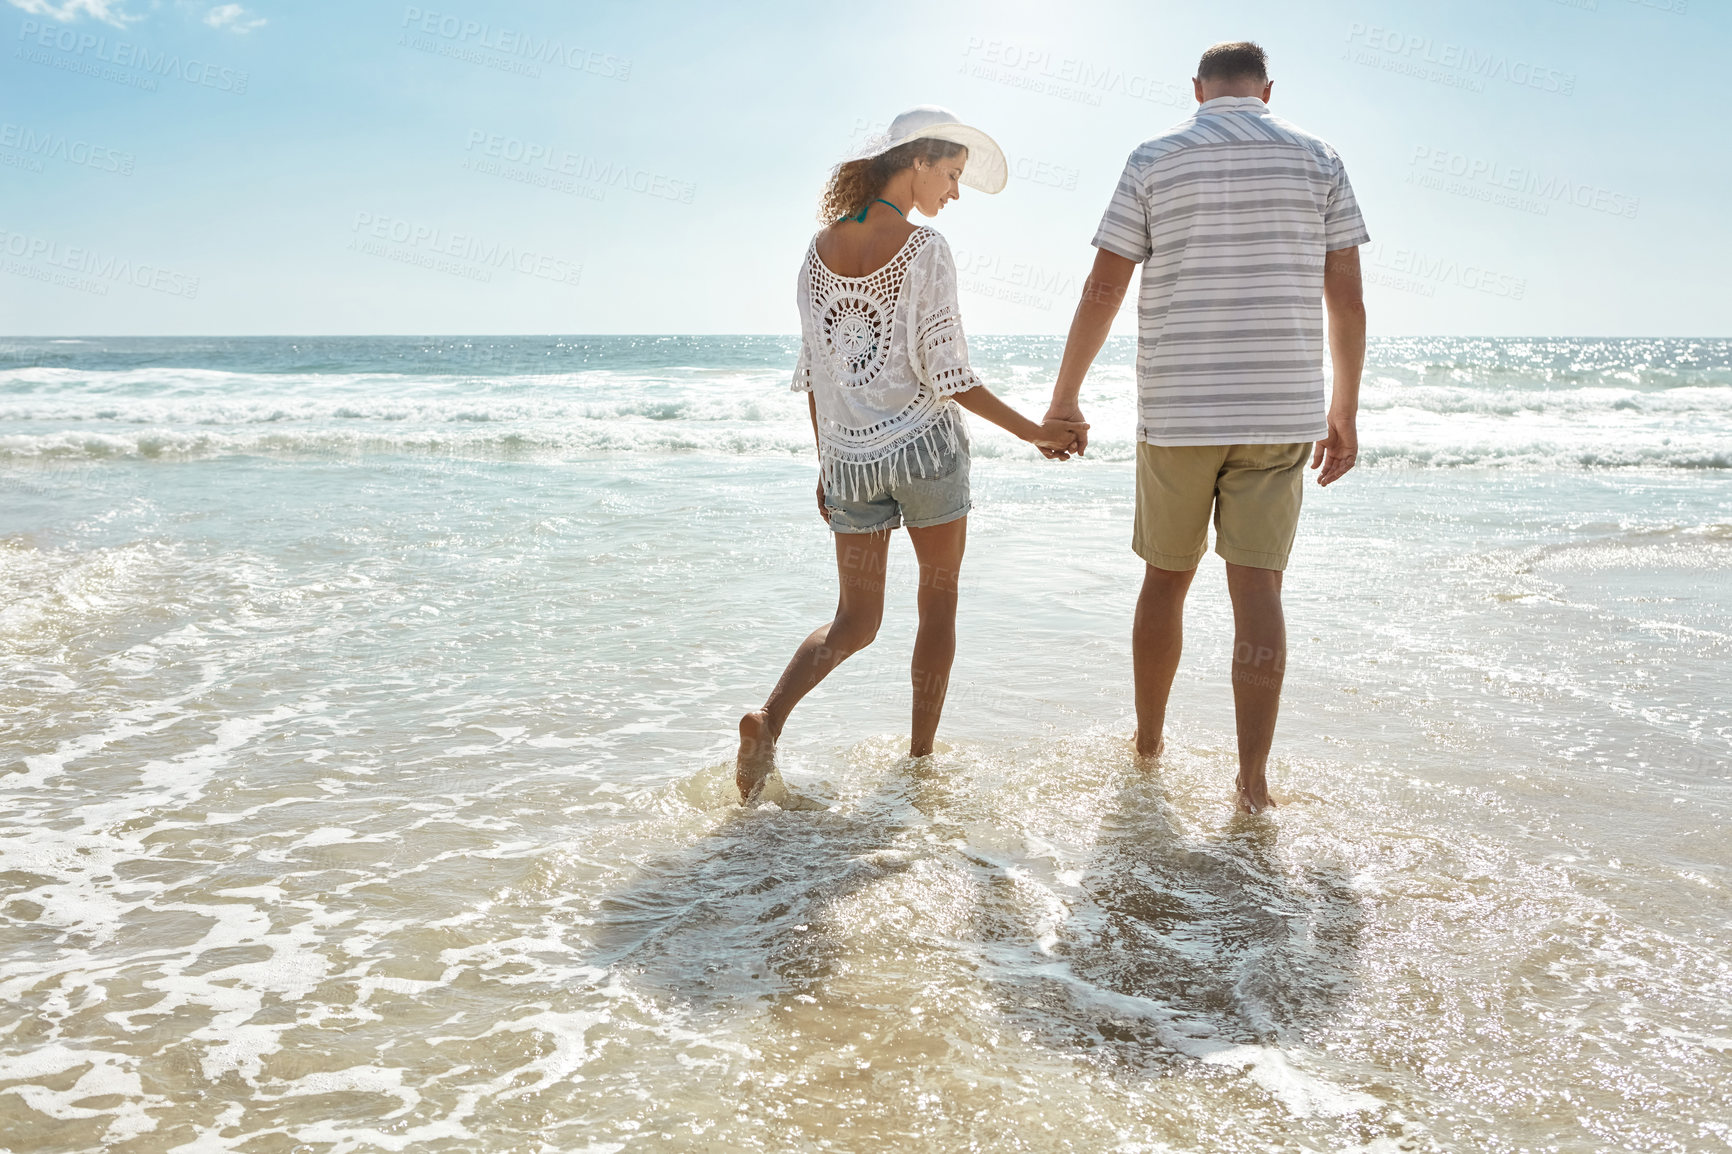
<point x="368" y="715"/>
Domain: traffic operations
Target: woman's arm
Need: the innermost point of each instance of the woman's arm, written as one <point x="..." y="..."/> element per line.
<point x="1049" y="434"/>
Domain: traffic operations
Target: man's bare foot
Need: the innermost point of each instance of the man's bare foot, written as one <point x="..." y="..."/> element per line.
<point x="1253" y="795"/>
<point x="1144" y="749"/>
<point x="757" y="757"/>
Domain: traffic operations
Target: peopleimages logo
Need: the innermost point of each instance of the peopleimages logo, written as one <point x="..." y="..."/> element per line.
<point x="460" y="33"/>
<point x="1405" y="52"/>
<point x="46" y="145"/>
<point x="87" y="262"/>
<point x="374" y="230"/>
<point x="1429" y="270"/>
<point x="89" y="46"/>
<point x="1015" y="273"/>
<point x="1045" y="172"/>
<point x="1522" y="181"/>
<point x="1013" y="281"/>
<point x="579" y="167"/>
<point x="1066" y="77"/>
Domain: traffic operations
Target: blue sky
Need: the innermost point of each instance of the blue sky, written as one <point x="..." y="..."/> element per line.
<point x="170" y="167"/>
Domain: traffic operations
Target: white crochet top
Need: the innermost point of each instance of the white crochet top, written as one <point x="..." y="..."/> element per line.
<point x="883" y="355"/>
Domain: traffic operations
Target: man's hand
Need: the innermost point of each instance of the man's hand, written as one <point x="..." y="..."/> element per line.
<point x="1072" y="413"/>
<point x="1337" y="451"/>
<point x="823" y="509"/>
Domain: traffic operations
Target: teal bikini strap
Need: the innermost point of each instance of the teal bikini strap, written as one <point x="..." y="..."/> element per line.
<point x="860" y="216"/>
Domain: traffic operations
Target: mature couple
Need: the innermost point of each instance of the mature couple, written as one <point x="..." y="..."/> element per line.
<point x="1241" y="222"/>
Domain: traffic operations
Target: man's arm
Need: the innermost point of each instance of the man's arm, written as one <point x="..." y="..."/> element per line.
<point x="1102" y="293"/>
<point x="1344" y="294"/>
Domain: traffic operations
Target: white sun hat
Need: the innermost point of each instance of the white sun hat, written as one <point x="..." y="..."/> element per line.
<point x="984" y="170"/>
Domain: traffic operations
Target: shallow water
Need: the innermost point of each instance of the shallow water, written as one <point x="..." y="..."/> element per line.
<point x="364" y="742"/>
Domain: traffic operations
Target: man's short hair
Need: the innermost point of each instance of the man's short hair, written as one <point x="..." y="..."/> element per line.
<point x="1234" y="60"/>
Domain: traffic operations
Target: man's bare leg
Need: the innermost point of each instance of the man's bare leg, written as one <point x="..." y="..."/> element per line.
<point x="939" y="550"/>
<point x="860" y="562"/>
<point x="1259" y="664"/>
<point x="1157" y="635"/>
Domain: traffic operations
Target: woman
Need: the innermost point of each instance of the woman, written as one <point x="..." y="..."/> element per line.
<point x="885" y="368"/>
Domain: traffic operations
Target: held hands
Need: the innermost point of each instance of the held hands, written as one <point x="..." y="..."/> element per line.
<point x="1068" y="416"/>
<point x="1337" y="451"/>
<point x="1057" y="439"/>
<point x="1058" y="436"/>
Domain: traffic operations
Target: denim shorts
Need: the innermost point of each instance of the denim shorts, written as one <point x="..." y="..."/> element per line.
<point x="936" y="493"/>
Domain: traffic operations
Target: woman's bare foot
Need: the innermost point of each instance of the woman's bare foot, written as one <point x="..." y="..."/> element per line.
<point x="1254" y="795"/>
<point x="757" y="757"/>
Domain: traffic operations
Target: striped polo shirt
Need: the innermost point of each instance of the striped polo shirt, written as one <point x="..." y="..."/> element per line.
<point x="1230" y="214"/>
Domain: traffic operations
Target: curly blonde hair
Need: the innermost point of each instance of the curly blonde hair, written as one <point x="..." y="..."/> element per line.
<point x="855" y="184"/>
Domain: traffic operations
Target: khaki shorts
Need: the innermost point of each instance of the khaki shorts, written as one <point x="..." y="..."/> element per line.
<point x="1254" y="490"/>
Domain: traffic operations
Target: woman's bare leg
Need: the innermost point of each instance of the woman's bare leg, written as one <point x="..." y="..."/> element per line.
<point x="860" y="562"/>
<point x="939" y="550"/>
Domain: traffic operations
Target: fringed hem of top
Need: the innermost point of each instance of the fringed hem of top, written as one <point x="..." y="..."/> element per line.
<point x="860" y="480"/>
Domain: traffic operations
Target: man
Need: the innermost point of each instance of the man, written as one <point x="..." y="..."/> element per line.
<point x="1241" y="221"/>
